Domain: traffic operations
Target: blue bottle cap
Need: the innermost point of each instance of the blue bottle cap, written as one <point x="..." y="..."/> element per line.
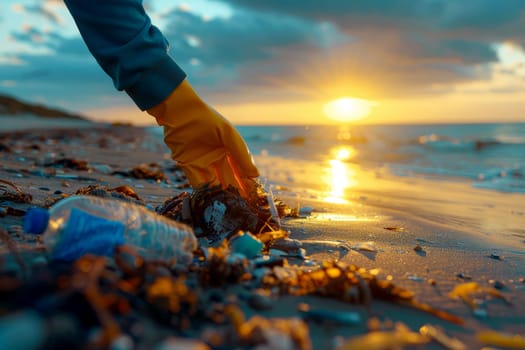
<point x="36" y="220"/>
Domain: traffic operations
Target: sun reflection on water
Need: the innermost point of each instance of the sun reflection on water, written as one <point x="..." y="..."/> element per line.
<point x="341" y="177"/>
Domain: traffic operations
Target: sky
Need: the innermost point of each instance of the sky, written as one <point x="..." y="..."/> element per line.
<point x="293" y="61"/>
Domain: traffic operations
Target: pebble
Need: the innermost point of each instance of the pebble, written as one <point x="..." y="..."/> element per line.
<point x="497" y="284"/>
<point x="463" y="276"/>
<point x="495" y="256"/>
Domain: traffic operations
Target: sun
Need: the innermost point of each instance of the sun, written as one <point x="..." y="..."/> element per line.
<point x="347" y="109"/>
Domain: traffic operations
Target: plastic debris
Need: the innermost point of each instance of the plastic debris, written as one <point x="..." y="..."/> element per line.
<point x="324" y="316"/>
<point x="369" y="246"/>
<point x="384" y="340"/>
<point x="246" y="244"/>
<point x="441" y="338"/>
<point x="505" y="340"/>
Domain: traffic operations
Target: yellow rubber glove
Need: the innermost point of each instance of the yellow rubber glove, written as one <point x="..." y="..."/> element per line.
<point x="205" y="145"/>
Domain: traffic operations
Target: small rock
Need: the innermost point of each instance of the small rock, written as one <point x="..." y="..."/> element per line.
<point x="497" y="284"/>
<point x="495" y="256"/>
<point x="463" y="276"/>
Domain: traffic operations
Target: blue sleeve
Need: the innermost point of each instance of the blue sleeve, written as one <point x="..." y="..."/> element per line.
<point x="131" y="50"/>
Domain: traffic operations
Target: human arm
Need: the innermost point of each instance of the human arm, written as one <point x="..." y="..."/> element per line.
<point x="134" y="54"/>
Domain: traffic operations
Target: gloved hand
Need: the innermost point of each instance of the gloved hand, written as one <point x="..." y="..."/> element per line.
<point x="205" y="145"/>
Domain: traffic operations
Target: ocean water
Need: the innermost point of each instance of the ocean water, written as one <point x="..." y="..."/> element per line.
<point x="488" y="156"/>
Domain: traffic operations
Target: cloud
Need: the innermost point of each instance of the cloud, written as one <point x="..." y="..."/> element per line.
<point x="30" y="35"/>
<point x="231" y="50"/>
<point x="284" y="50"/>
<point x="43" y="11"/>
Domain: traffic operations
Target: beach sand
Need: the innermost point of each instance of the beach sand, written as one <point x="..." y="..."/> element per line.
<point x="470" y="236"/>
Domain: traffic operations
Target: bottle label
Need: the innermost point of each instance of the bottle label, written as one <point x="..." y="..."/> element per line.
<point x="86" y="233"/>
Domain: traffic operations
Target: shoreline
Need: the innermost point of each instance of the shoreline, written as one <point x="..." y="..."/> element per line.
<point x="374" y="212"/>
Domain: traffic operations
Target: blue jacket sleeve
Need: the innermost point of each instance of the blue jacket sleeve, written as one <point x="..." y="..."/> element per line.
<point x="131" y="50"/>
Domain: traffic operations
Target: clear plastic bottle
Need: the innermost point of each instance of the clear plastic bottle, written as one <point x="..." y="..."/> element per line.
<point x="78" y="225"/>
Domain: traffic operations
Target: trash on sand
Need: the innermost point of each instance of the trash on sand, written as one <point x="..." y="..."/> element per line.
<point x="440" y="337"/>
<point x="78" y="225"/>
<point x="217" y="213"/>
<point x="346" y="318"/>
<point x="505" y="340"/>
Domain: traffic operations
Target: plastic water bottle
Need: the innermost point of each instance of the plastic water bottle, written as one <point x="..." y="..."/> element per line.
<point x="78" y="225"/>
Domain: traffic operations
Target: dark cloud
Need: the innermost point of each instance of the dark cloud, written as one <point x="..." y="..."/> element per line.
<point x="225" y="46"/>
<point x="398" y="45"/>
<point x="442" y="30"/>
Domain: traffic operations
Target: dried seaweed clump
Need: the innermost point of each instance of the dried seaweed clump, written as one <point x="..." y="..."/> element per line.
<point x="221" y="267"/>
<point x="123" y="193"/>
<point x="348" y="283"/>
<point x="17" y="196"/>
<point x="218" y="213"/>
<point x="151" y="171"/>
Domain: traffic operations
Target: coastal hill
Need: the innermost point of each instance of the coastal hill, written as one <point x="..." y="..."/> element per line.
<point x="12" y="106"/>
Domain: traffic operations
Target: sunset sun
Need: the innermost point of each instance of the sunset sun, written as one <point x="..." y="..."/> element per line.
<point x="347" y="109"/>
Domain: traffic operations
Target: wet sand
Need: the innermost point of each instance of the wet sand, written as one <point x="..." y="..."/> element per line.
<point x="461" y="232"/>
